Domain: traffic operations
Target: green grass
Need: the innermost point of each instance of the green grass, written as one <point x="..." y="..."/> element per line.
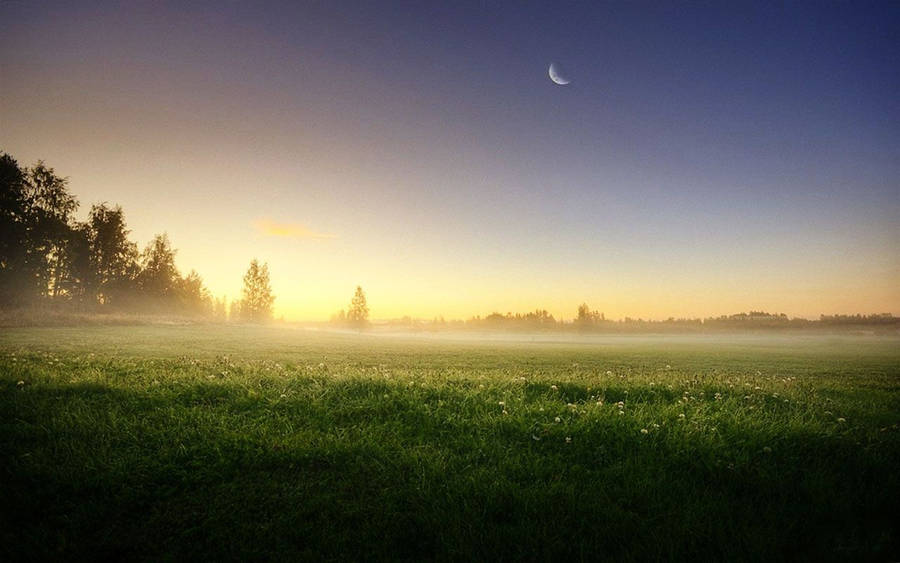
<point x="222" y="443"/>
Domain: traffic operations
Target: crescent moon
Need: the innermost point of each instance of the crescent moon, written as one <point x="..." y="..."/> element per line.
<point x="556" y="77"/>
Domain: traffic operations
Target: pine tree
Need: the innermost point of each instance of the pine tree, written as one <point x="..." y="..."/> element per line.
<point x="256" y="297"/>
<point x="358" y="315"/>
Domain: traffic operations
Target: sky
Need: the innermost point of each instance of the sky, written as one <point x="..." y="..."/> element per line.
<point x="706" y="158"/>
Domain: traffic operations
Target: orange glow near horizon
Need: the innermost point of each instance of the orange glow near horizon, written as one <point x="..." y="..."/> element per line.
<point x="289" y="230"/>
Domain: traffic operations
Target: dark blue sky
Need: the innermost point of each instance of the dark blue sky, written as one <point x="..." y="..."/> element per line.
<point x="707" y="157"/>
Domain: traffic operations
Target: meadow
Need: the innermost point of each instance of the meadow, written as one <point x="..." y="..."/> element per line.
<point x="252" y="443"/>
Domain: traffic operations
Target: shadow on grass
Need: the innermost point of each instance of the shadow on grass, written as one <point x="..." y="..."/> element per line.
<point x="217" y="471"/>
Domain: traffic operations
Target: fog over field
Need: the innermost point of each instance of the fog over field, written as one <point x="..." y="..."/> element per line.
<point x="235" y="442"/>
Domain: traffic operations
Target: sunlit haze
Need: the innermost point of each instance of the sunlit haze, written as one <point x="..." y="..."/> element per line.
<point x="702" y="161"/>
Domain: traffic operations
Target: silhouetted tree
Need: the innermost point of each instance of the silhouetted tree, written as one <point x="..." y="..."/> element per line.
<point x="193" y="296"/>
<point x="159" y="279"/>
<point x="584" y="314"/>
<point x="50" y="212"/>
<point x="586" y="317"/>
<point x="78" y="279"/>
<point x="358" y="314"/>
<point x="114" y="258"/>
<point x="257" y="298"/>
<point x="16" y="280"/>
<point x="46" y="255"/>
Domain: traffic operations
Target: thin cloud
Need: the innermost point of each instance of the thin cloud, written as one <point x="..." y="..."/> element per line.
<point x="288" y="230"/>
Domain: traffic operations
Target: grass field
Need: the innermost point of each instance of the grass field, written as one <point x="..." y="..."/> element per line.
<point x="225" y="443"/>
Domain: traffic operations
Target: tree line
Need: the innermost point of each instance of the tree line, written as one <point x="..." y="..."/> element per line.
<point x="592" y="321"/>
<point x="47" y="257"/>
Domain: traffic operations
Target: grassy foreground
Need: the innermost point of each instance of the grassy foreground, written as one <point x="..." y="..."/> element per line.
<point x="223" y="443"/>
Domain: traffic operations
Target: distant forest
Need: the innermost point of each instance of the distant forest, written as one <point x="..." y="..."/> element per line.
<point x="592" y="321"/>
<point x="51" y="263"/>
